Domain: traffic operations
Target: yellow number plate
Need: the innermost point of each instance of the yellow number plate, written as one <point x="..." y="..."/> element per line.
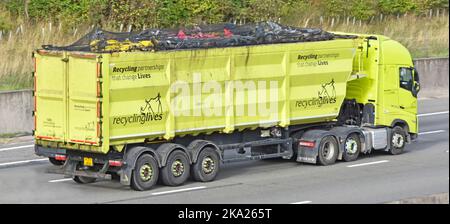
<point x="88" y="161"/>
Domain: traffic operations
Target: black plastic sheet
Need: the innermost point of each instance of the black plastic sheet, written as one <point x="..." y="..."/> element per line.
<point x="210" y="36"/>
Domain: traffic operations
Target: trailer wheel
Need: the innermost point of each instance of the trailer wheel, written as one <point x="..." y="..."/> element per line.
<point x="207" y="166"/>
<point x="84" y="180"/>
<point x="328" y="151"/>
<point x="397" y="140"/>
<point x="177" y="169"/>
<point x="352" y="147"/>
<point x="145" y="173"/>
<point x="55" y="162"/>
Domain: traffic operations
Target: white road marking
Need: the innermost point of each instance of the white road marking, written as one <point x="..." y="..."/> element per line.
<point x="367" y="164"/>
<point x="432" y="132"/>
<point x="432" y="114"/>
<point x="17" y="147"/>
<point x="178" y="191"/>
<point x="60" y="180"/>
<point x="301" y="202"/>
<point x="22" y="162"/>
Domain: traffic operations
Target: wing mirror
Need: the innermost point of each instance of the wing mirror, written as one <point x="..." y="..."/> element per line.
<point x="416" y="85"/>
<point x="416" y="89"/>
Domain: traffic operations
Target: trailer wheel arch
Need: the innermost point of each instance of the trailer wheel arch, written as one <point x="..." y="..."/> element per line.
<point x="166" y="149"/>
<point x="197" y="146"/>
<point x="133" y="154"/>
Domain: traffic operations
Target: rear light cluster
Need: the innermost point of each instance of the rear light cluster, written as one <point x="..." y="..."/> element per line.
<point x="60" y="157"/>
<point x="309" y="144"/>
<point x="116" y="163"/>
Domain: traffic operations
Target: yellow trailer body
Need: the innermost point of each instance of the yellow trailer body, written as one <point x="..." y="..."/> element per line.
<point x="91" y="101"/>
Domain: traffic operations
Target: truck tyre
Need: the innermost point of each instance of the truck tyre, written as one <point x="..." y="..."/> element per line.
<point x="207" y="166"/>
<point x="352" y="147"/>
<point x="177" y="169"/>
<point x="328" y="151"/>
<point x="84" y="180"/>
<point x="145" y="173"/>
<point x="55" y="162"/>
<point x="397" y="140"/>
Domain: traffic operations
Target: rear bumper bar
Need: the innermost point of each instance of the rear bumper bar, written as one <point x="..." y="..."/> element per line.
<point x="69" y="170"/>
<point x="48" y="152"/>
<point x="71" y="167"/>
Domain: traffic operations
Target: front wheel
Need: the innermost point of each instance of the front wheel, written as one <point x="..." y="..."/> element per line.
<point x="145" y="173"/>
<point x="328" y="151"/>
<point x="397" y="140"/>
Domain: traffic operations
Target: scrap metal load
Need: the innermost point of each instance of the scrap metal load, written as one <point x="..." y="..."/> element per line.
<point x="211" y="36"/>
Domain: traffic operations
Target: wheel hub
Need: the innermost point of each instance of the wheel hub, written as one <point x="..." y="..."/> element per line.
<point x="208" y="165"/>
<point x="177" y="168"/>
<point x="397" y="140"/>
<point x="146" y="172"/>
<point x="328" y="150"/>
<point x="351" y="146"/>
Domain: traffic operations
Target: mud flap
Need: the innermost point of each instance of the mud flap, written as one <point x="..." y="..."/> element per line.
<point x="69" y="168"/>
<point x="125" y="175"/>
<point x="307" y="155"/>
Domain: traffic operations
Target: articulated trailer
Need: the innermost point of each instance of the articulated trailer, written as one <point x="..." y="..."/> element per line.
<point x="140" y="116"/>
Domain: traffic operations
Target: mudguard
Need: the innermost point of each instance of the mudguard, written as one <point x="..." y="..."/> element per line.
<point x="307" y="154"/>
<point x="165" y="149"/>
<point x="198" y="145"/>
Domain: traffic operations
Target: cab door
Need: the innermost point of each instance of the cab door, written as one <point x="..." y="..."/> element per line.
<point x="407" y="100"/>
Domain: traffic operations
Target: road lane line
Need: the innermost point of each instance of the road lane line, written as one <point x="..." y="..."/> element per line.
<point x="178" y="191"/>
<point x="17" y="143"/>
<point x="17" y="147"/>
<point x="60" y="180"/>
<point x="301" y="202"/>
<point x="367" y="164"/>
<point x="432" y="132"/>
<point x="432" y="114"/>
<point x="22" y="162"/>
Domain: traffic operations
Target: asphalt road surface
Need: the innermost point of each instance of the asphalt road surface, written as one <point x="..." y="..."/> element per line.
<point x="377" y="178"/>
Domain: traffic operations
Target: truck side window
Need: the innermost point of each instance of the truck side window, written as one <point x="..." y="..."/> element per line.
<point x="406" y="78"/>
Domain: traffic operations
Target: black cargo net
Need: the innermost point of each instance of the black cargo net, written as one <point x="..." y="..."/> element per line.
<point x="210" y="36"/>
